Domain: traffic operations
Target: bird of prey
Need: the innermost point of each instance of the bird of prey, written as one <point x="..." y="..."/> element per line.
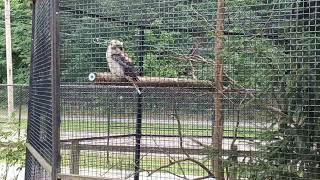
<point x="120" y="64"/>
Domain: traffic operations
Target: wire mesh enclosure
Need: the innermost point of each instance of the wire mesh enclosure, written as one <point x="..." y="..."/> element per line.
<point x="175" y="89"/>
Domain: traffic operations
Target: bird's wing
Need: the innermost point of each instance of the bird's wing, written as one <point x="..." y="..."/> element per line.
<point x="126" y="62"/>
<point x="123" y="60"/>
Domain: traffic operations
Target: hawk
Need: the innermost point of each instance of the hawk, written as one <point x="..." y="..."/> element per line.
<point x="120" y="64"/>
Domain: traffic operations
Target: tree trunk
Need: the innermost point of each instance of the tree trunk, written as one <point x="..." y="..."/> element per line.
<point x="217" y="136"/>
<point x="9" y="58"/>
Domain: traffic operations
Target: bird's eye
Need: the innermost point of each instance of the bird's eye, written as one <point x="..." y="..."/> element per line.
<point x="121" y="48"/>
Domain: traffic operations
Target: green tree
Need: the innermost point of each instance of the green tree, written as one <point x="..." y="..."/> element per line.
<point x="286" y="77"/>
<point x="21" y="40"/>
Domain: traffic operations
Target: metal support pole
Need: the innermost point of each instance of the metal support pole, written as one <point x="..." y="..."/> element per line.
<point x="28" y="154"/>
<point x="108" y="131"/>
<point x="20" y="111"/>
<point x="55" y="85"/>
<point x="139" y="108"/>
<point x="7" y="15"/>
<point x="75" y="157"/>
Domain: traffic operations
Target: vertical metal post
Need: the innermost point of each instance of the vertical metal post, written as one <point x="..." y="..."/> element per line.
<point x="28" y="155"/>
<point x="7" y="15"/>
<point x="20" y="107"/>
<point x="108" y="131"/>
<point x="139" y="108"/>
<point x="75" y="157"/>
<point x="141" y="51"/>
<point x="55" y="69"/>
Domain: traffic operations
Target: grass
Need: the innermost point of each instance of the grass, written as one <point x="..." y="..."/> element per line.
<point x="125" y="161"/>
<point x="104" y="164"/>
<point x="12" y="146"/>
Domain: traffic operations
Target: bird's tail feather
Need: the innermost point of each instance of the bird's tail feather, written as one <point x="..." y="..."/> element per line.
<point x="130" y="79"/>
<point x="137" y="88"/>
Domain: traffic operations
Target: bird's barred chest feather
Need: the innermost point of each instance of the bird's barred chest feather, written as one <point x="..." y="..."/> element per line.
<point x="114" y="66"/>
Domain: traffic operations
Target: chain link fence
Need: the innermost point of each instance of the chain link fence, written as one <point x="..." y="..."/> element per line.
<point x="20" y="99"/>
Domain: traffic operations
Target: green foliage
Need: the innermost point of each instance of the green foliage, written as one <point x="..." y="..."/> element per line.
<point x="291" y="86"/>
<point x="21" y="41"/>
<point x="284" y="72"/>
<point x="295" y="153"/>
<point x="12" y="147"/>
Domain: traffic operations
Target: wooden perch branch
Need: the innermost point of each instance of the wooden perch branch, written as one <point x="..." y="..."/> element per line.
<point x="109" y="79"/>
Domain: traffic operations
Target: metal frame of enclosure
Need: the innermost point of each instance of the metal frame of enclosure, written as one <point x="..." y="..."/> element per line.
<point x="229" y="90"/>
<point x="42" y="157"/>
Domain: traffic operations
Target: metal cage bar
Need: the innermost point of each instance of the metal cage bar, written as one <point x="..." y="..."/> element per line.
<point x="43" y="142"/>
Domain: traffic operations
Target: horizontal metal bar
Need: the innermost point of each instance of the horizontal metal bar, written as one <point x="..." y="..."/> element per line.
<point x="92" y="15"/>
<point x="154" y="150"/>
<point x="96" y="138"/>
<point x="151" y="135"/>
<point x="23" y="85"/>
<point x="79" y="177"/>
<point x="147" y="25"/>
<point x="39" y="158"/>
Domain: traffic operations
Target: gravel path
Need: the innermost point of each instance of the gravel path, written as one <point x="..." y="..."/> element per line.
<point x="159" y="142"/>
<point x="242" y="123"/>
